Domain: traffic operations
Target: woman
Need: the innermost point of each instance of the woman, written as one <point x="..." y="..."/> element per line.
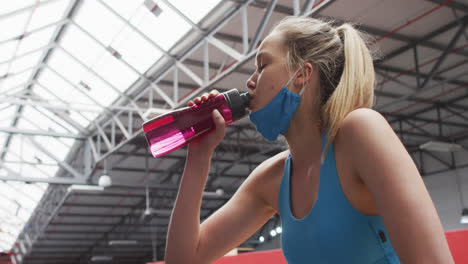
<point x="346" y="189"/>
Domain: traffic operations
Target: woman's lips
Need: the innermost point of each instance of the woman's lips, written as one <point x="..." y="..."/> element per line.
<point x="251" y="102"/>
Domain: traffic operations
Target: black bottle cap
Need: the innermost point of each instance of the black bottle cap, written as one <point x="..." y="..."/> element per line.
<point x="237" y="102"/>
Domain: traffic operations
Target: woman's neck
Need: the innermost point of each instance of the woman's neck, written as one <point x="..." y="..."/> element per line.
<point x="304" y="137"/>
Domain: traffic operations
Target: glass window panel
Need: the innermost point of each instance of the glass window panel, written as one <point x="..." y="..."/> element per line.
<point x="136" y="50"/>
<point x="47" y="14"/>
<point x="80" y="119"/>
<point x="6" y="116"/>
<point x="61" y="88"/>
<point x="157" y="28"/>
<point x="81" y="46"/>
<point x="13" y="81"/>
<point x="67" y="67"/>
<point x="13" y="26"/>
<point x="124" y="7"/>
<point x="43" y="122"/>
<point x="3" y="137"/>
<point x="90" y="115"/>
<point x="115" y="72"/>
<point x="8" y="204"/>
<point x="6" y="51"/>
<point x="99" y="89"/>
<point x="19" y="90"/>
<point x="25" y="62"/>
<point x="36" y="40"/>
<point x="10" y="6"/>
<point x="195" y="10"/>
<point x="44" y="93"/>
<point x="59" y="125"/>
<point x="98" y="21"/>
<point x="50" y="171"/>
<point x="31" y="189"/>
<point x="38" y="171"/>
<point x="76" y="73"/>
<point x="3" y="68"/>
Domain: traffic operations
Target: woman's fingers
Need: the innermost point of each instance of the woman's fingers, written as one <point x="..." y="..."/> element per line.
<point x="198" y="100"/>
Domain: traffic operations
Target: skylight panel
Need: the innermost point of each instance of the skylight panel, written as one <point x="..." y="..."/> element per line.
<point x="21" y="149"/>
<point x="114" y="71"/>
<point x="33" y="190"/>
<point x="36" y="40"/>
<point x="6" y="51"/>
<point x="80" y="76"/>
<point x="98" y="88"/>
<point x="66" y="66"/>
<point x="17" y="91"/>
<point x="81" y="46"/>
<point x="98" y="21"/>
<point x="13" y="26"/>
<point x="52" y="143"/>
<point x="16" y="195"/>
<point x="124" y="7"/>
<point x="43" y="122"/>
<point x="6" y="116"/>
<point x="10" y="6"/>
<point x="38" y="171"/>
<point x="61" y="88"/>
<point x="158" y="29"/>
<point x="136" y="50"/>
<point x="16" y="150"/>
<point x="25" y="62"/>
<point x="59" y="124"/>
<point x="15" y="79"/>
<point x="46" y="14"/>
<point x="2" y="142"/>
<point x="3" y="68"/>
<point x="84" y="122"/>
<point x="44" y="93"/>
<point x="195" y="10"/>
<point x="8" y="203"/>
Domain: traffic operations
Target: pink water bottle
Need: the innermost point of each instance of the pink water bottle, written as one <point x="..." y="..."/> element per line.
<point x="171" y="131"/>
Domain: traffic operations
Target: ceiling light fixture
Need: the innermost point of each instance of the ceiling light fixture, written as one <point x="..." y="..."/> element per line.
<point x="440" y="146"/>
<point x="101" y="258"/>
<point x="92" y="188"/>
<point x="464" y="218"/>
<point x="122" y="242"/>
<point x="105" y="181"/>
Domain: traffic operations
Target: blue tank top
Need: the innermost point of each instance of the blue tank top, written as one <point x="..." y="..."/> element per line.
<point x="333" y="231"/>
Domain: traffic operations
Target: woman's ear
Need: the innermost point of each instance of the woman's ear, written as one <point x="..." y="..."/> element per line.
<point x="304" y="75"/>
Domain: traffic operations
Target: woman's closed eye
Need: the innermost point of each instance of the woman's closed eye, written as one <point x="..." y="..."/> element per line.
<point x="261" y="67"/>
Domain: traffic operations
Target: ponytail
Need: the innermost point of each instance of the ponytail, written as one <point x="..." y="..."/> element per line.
<point x="356" y="85"/>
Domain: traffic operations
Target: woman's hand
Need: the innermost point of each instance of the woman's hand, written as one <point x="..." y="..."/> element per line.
<point x="208" y="142"/>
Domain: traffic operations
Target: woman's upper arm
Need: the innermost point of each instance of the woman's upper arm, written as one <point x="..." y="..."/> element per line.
<point x="400" y="195"/>
<point x="239" y="218"/>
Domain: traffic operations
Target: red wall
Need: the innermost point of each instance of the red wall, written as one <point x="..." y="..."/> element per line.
<point x="457" y="240"/>
<point x="458" y="243"/>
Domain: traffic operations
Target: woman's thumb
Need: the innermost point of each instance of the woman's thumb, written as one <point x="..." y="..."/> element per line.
<point x="218" y="120"/>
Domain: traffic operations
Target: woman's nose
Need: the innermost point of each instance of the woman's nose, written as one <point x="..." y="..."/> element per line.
<point x="251" y="82"/>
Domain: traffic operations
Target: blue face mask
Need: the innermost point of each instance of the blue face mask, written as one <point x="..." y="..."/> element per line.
<point x="274" y="118"/>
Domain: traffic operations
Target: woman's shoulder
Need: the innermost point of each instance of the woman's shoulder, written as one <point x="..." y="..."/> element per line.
<point x="362" y="127"/>
<point x="360" y="121"/>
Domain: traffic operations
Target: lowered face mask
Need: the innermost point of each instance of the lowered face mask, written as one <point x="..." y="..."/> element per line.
<point x="274" y="118"/>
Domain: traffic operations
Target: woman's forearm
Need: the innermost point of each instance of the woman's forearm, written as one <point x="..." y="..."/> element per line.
<point x="183" y="233"/>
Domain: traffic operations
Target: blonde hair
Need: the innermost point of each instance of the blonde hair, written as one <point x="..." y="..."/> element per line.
<point x="344" y="62"/>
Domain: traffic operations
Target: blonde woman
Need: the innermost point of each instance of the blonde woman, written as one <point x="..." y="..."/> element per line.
<point x="346" y="189"/>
